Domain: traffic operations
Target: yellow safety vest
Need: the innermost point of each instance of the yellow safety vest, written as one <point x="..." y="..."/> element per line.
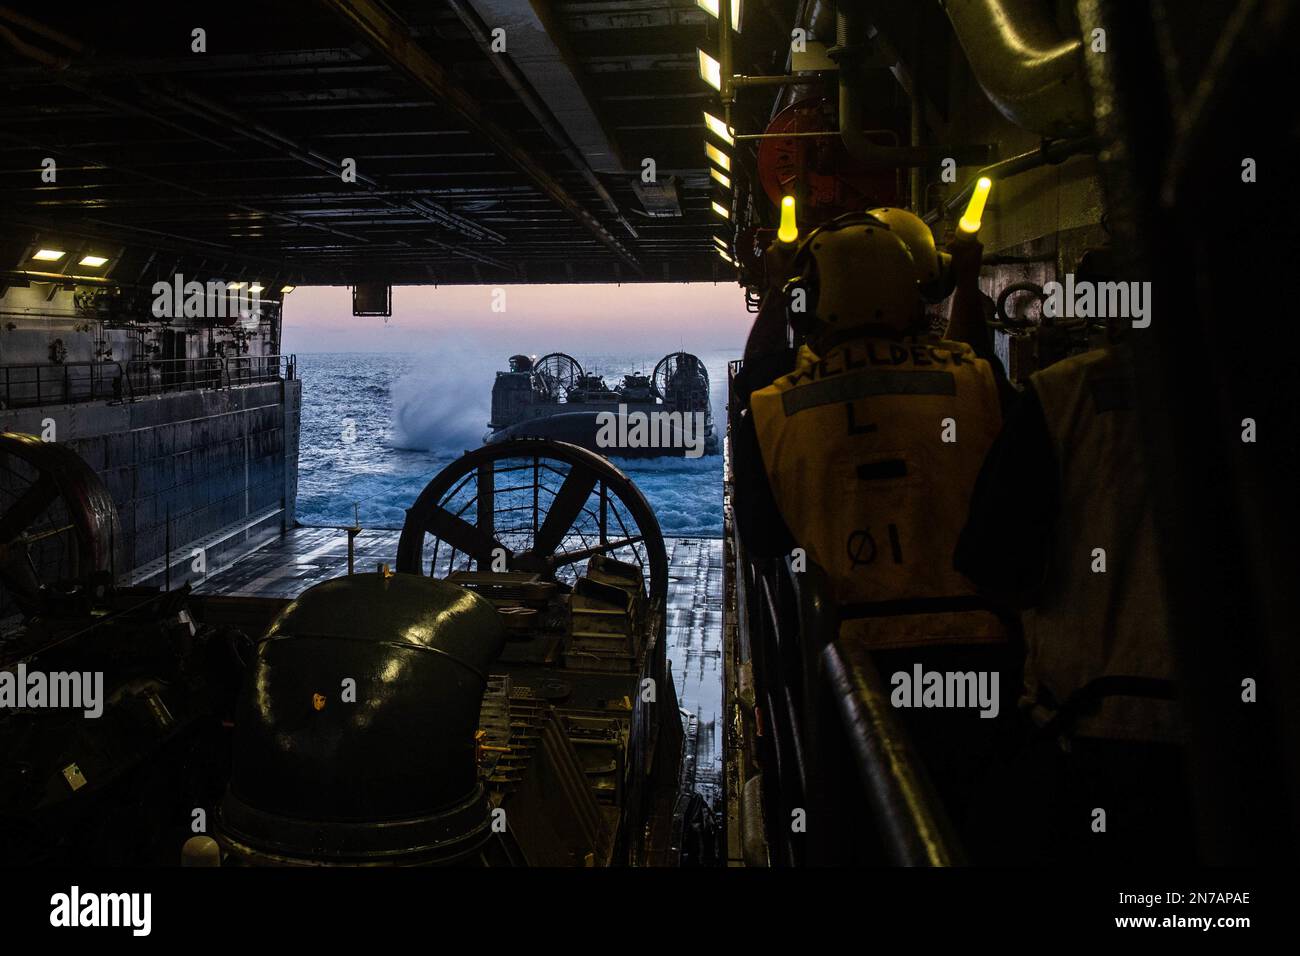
<point x="1088" y="623"/>
<point x="872" y="451"/>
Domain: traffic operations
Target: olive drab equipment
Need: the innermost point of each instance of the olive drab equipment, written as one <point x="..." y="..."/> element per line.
<point x="853" y="443"/>
<point x="1098" y="660"/>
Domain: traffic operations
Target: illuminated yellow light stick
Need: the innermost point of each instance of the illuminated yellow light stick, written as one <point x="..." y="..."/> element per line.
<point x="970" y="220"/>
<point x="789" y="230"/>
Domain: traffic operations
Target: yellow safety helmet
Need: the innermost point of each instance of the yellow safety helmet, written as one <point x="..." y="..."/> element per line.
<point x="853" y="271"/>
<point x="933" y="268"/>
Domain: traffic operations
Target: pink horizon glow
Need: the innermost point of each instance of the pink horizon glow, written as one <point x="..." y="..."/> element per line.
<point x="538" y="318"/>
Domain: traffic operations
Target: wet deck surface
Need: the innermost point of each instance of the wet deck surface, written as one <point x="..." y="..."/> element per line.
<point x="695" y="649"/>
<point x="288" y="565"/>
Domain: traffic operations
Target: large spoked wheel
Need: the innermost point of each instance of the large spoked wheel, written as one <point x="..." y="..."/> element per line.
<point x="558" y="373"/>
<point x="58" y="524"/>
<point x="681" y="379"/>
<point x="531" y="504"/>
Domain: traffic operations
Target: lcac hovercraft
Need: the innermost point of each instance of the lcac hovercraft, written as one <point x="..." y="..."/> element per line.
<point x="665" y="413"/>
<point x="501" y="698"/>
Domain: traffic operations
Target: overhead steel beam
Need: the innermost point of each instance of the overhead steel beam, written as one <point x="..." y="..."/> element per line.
<point x="181" y="187"/>
<point x="393" y="41"/>
<point x="599" y="152"/>
<point x="536" y="52"/>
<point x="260" y="132"/>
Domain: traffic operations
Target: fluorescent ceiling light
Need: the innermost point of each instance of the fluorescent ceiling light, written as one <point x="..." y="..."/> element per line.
<point x="710" y="70"/>
<point x="721" y="178"/>
<point x="286" y="289"/>
<point x="727" y="257"/>
<point x="255" y="287"/>
<point x="722" y="243"/>
<point x="718" y="156"/>
<point x="711" y="8"/>
<point x="721" y="210"/>
<point x="49" y="255"/>
<point x="95" y="261"/>
<point x="718" y="128"/>
<point x="235" y="285"/>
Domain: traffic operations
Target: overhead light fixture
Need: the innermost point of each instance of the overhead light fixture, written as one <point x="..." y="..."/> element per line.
<point x="721" y="210"/>
<point x="710" y="70"/>
<point x="94" y="261"/>
<point x="721" y="178"/>
<point x="721" y="243"/>
<point x="234" y="285"/>
<point x="711" y="8"/>
<point x="286" y="289"/>
<point x="255" y="287"/>
<point x="717" y="156"/>
<point x="718" y="128"/>
<point x="49" y="255"/>
<point x="725" y="256"/>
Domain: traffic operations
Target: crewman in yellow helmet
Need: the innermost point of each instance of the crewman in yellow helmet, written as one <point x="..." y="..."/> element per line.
<point x="871" y="445"/>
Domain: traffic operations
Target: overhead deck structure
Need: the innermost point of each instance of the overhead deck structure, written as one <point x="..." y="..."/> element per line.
<point x="493" y="141"/>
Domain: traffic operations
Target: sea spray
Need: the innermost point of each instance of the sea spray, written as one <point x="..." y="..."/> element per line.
<point x="415" y="413"/>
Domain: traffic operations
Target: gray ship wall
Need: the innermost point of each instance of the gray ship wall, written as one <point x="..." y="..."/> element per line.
<point x="217" y="466"/>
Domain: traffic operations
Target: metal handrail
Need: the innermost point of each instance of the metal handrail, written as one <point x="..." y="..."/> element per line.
<point x="51" y="383"/>
<point x="911" y="819"/>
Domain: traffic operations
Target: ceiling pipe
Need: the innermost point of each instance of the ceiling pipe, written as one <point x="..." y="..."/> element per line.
<point x="34" y="53"/>
<point x="849" y="56"/>
<point x="1029" y="69"/>
<point x="40" y="29"/>
<point x="1049" y="153"/>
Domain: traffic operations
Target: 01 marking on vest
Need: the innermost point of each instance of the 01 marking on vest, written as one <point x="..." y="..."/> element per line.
<point x="948" y="689"/>
<point x="861" y="548"/>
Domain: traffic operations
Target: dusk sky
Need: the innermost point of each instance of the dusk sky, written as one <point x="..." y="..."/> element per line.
<point x="659" y="317"/>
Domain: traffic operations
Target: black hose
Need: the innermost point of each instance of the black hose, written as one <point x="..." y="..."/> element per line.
<point x="1005" y="319"/>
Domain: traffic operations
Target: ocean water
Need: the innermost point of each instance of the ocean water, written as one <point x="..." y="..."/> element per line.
<point x="377" y="427"/>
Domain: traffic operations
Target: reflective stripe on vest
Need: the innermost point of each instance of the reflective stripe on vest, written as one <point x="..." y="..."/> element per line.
<point x="854" y="446"/>
<point x="1091" y="624"/>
